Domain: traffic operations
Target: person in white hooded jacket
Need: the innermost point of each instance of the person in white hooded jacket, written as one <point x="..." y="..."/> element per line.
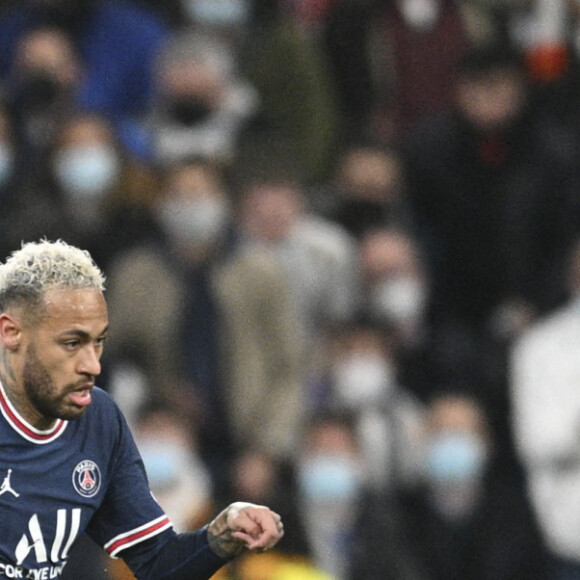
<point x="544" y="382"/>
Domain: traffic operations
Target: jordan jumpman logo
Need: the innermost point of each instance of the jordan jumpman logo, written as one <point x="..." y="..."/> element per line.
<point x="6" y="487"/>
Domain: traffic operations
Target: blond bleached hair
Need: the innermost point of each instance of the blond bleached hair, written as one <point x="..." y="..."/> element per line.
<point x="37" y="267"/>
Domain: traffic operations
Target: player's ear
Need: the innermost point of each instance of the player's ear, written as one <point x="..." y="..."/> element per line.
<point x="10" y="331"/>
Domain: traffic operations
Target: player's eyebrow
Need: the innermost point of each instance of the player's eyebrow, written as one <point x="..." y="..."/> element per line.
<point x="82" y="334"/>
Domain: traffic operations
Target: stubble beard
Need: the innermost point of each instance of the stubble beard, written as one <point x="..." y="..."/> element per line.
<point x="42" y="392"/>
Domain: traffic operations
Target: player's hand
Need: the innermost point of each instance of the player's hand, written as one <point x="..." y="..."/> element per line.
<point x="244" y="526"/>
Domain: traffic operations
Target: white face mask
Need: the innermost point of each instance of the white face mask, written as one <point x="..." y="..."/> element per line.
<point x="196" y="221"/>
<point x="400" y="299"/>
<point x="420" y="14"/>
<point x="363" y="379"/>
<point x="87" y="172"/>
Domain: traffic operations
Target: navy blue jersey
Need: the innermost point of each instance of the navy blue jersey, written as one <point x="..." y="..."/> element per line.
<point x="82" y="475"/>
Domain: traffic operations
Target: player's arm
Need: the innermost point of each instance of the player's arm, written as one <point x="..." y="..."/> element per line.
<point x="199" y="554"/>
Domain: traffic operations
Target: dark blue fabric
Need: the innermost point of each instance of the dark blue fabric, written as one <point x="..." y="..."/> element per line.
<point x="171" y="556"/>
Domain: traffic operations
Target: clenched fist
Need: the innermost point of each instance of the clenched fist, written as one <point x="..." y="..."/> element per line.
<point x="244" y="526"/>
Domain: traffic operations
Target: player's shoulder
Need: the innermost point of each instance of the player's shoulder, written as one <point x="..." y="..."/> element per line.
<point x="102" y="397"/>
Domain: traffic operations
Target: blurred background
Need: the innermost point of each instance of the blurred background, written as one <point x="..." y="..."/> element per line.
<point x="341" y="241"/>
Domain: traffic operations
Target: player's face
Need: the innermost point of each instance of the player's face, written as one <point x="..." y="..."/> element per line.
<point x="62" y="354"/>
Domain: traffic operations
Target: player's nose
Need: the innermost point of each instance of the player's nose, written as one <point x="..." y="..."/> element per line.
<point x="89" y="362"/>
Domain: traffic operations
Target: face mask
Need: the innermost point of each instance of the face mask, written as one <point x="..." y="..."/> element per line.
<point x="6" y="164"/>
<point x="329" y="477"/>
<point x="38" y="92"/>
<point x="455" y="457"/>
<point x="359" y="215"/>
<point x="363" y="379"/>
<point x="162" y="464"/>
<point x="400" y="299"/>
<point x="197" y="221"/>
<point x="189" y="111"/>
<point x="218" y="12"/>
<point x="87" y="172"/>
<point x="420" y="14"/>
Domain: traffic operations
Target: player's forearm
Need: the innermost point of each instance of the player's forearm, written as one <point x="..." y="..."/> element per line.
<point x="186" y="556"/>
<point x="198" y="555"/>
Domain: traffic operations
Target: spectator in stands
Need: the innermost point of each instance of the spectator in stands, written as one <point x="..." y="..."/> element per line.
<point x="202" y="103"/>
<point x="392" y="61"/>
<point x="177" y="474"/>
<point x="395" y="292"/>
<point x="489" y="183"/>
<point x="103" y="193"/>
<point x="175" y="323"/>
<point x="214" y="324"/>
<point x="365" y="191"/>
<point x="361" y="376"/>
<point x="394" y="281"/>
<point x="331" y="478"/>
<point x="544" y="370"/>
<point x="317" y="254"/>
<point x="42" y="88"/>
<point x="295" y="124"/>
<point x="116" y="44"/>
<point x="465" y="520"/>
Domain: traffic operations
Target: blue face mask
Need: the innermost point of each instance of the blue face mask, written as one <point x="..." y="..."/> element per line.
<point x="162" y="465"/>
<point x="329" y="477"/>
<point x="218" y="12"/>
<point x="455" y="457"/>
<point x="87" y="172"/>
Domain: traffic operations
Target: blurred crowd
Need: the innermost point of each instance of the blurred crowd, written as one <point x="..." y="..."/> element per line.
<point x="341" y="240"/>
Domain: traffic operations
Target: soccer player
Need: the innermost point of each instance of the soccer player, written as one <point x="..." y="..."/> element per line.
<point x="68" y="462"/>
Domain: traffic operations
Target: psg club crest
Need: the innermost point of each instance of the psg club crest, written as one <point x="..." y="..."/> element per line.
<point x="87" y="478"/>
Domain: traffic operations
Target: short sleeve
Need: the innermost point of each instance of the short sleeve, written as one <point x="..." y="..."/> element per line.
<point x="129" y="513"/>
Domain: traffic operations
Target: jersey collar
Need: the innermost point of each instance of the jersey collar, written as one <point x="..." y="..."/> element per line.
<point x="23" y="427"/>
